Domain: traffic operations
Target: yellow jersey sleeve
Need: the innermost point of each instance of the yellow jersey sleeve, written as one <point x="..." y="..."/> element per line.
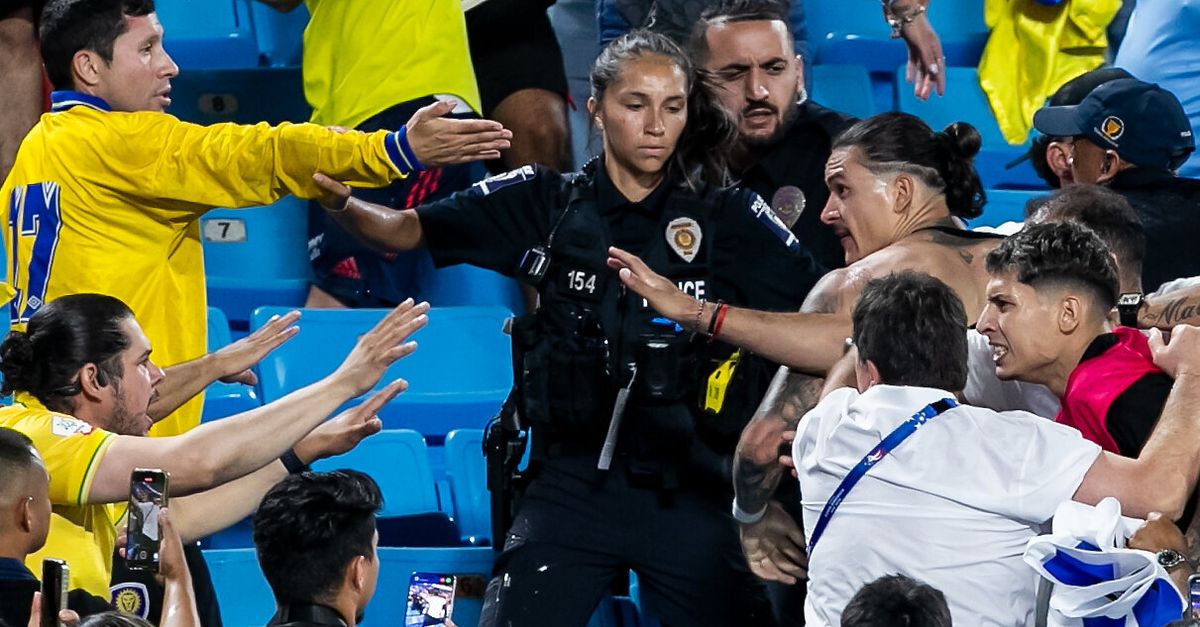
<point x="70" y="448"/>
<point x="155" y="155"/>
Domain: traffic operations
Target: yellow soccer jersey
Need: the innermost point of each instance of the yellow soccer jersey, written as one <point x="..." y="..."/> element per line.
<point x="110" y="202"/>
<point x="364" y="56"/>
<point x="83" y="535"/>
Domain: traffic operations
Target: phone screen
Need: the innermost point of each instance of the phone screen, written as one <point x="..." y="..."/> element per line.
<point x="54" y="590"/>
<point x="1193" y="596"/>
<point x="430" y="599"/>
<point x="147" y="496"/>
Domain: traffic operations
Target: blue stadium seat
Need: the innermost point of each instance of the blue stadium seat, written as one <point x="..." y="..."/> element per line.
<point x="458" y="377"/>
<point x="244" y="95"/>
<point x="208" y="33"/>
<point x="466" y="472"/>
<point x="255" y="257"/>
<point x="398" y="461"/>
<point x="280" y="35"/>
<point x="466" y="286"/>
<point x="965" y="101"/>
<point x="242" y="592"/>
<point x="881" y="55"/>
<point x="854" y="32"/>
<point x="952" y="20"/>
<point x="1004" y="205"/>
<point x="224" y="399"/>
<point x="246" y="599"/>
<point x="845" y="88"/>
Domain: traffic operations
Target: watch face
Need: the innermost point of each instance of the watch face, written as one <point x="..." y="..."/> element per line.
<point x="1169" y="558"/>
<point x="1129" y="300"/>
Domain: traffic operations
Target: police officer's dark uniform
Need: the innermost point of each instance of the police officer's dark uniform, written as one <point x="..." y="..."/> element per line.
<point x="797" y="160"/>
<point x="307" y="615"/>
<point x="1169" y="207"/>
<point x="662" y="508"/>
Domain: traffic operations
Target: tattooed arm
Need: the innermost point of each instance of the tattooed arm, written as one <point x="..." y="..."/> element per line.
<point x="756" y="468"/>
<point x="1164" y="310"/>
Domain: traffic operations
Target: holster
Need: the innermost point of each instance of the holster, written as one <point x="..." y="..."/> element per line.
<point x="504" y="444"/>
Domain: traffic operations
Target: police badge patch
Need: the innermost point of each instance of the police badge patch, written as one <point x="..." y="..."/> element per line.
<point x="683" y="236"/>
<point x="131" y="597"/>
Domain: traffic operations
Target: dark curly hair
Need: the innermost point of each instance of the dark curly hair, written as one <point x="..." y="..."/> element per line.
<point x="1059" y="253"/>
<point x="900" y="142"/>
<point x="308" y="529"/>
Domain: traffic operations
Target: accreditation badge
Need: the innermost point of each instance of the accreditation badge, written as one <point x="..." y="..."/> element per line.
<point x="683" y="236"/>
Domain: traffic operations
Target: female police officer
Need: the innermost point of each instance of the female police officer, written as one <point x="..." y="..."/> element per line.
<point x="595" y="365"/>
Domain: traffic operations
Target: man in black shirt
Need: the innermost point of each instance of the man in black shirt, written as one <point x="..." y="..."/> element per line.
<point x="25" y="503"/>
<point x="1131" y="136"/>
<point x="784" y="138"/>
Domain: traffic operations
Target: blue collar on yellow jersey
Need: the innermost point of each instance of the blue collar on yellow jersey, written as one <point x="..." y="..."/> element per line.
<point x="63" y="100"/>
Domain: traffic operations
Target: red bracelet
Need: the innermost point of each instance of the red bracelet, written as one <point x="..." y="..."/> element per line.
<point x="720" y="316"/>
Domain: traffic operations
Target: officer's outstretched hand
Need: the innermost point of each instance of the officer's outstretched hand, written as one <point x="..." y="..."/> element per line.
<point x="439" y="141"/>
<point x="380" y="347"/>
<point x="663" y="295"/>
<point x="774" y="546"/>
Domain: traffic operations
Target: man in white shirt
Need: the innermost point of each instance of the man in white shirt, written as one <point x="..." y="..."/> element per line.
<point x="954" y="504"/>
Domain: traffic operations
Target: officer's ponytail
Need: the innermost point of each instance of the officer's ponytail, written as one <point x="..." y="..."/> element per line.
<point x="701" y="154"/>
<point x="66" y="334"/>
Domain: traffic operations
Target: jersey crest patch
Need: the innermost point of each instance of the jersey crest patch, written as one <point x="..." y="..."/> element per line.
<point x="500" y="181"/>
<point x="131" y="597"/>
<point x="684" y="235"/>
<point x="65" y="427"/>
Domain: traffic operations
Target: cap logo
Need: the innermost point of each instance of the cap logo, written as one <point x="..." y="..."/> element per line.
<point x="1112" y="128"/>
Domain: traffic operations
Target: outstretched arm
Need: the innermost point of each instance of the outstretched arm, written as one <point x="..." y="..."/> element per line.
<point x="382" y="228"/>
<point x="208" y="512"/>
<point x="809" y="341"/>
<point x="221" y="451"/>
<point x="231" y="364"/>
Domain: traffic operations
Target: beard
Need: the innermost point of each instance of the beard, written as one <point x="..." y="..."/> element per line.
<point x="789" y="117"/>
<point x="123" y="421"/>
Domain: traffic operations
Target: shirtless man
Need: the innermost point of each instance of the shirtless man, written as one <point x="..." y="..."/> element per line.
<point x="896" y="186"/>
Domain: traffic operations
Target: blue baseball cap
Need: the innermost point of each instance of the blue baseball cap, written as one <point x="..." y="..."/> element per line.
<point x="1143" y="122"/>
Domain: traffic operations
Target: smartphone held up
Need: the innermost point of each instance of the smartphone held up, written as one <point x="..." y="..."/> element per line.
<point x="147" y="497"/>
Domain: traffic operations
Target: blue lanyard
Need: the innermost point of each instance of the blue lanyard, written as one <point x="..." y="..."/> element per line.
<point x="929" y="412"/>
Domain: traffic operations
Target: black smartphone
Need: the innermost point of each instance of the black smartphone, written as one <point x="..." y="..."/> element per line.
<point x="54" y="590"/>
<point x="430" y="599"/>
<point x="1193" y="609"/>
<point x="147" y="496"/>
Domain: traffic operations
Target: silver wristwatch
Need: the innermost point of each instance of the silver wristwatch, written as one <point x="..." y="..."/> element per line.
<point x="1170" y="558"/>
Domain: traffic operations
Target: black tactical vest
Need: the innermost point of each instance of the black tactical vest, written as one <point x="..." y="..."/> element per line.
<point x="589" y="334"/>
